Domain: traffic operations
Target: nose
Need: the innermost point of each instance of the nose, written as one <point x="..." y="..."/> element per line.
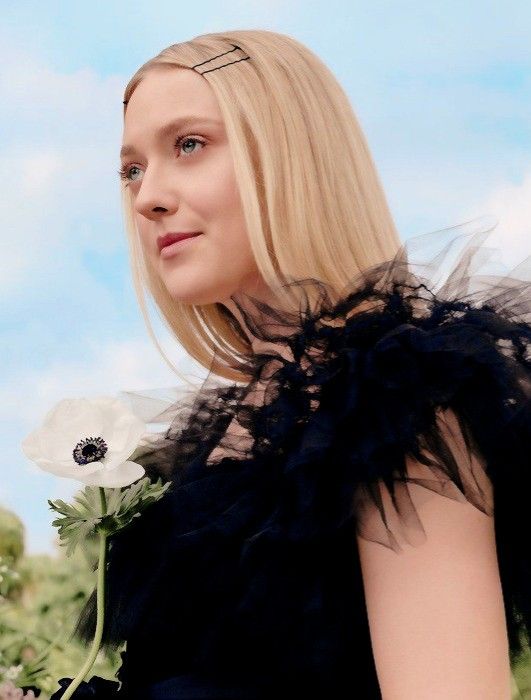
<point x="157" y="192"/>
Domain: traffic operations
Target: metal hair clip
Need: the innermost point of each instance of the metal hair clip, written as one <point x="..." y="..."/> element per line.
<point x="218" y="56"/>
<point x="201" y="72"/>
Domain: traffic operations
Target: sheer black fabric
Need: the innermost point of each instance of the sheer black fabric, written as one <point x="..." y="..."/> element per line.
<point x="244" y="580"/>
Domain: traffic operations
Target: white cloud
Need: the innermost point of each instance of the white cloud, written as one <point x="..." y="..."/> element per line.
<point x="122" y="365"/>
<point x="511" y="204"/>
<point x="61" y="135"/>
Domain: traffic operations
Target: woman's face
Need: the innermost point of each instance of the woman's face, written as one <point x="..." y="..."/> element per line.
<point x="187" y="187"/>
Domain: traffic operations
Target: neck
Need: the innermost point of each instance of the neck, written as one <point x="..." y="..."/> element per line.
<point x="259" y="325"/>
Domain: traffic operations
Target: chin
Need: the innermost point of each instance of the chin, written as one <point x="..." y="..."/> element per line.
<point x="195" y="297"/>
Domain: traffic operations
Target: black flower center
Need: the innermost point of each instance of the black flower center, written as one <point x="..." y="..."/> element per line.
<point x="90" y="450"/>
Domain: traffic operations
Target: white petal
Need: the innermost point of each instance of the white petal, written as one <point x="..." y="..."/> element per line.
<point x="31" y="445"/>
<point x="124" y="475"/>
<point x="69" y="470"/>
<point x="113" y="411"/>
<point x="72" y="420"/>
<point x="72" y="416"/>
<point x="126" y="432"/>
<point x="112" y="460"/>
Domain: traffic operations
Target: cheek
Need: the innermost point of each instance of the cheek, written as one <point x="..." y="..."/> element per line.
<point x="223" y="210"/>
<point x="222" y="195"/>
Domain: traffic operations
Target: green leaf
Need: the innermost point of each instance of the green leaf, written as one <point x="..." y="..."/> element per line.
<point x="84" y="517"/>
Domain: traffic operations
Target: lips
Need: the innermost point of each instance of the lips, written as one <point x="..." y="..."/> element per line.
<point x="169" y="238"/>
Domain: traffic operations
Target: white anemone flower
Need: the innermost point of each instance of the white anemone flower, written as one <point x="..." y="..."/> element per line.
<point x="89" y="440"/>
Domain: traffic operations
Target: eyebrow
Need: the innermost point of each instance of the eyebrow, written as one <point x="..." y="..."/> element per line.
<point x="174" y="124"/>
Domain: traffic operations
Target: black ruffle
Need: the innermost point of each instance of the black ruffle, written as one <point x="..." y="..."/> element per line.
<point x="246" y="559"/>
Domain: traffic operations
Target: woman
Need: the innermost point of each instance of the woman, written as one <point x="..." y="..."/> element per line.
<point x="363" y="408"/>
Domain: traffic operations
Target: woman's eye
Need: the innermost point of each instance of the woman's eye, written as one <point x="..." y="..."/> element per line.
<point x="180" y="142"/>
<point x="124" y="173"/>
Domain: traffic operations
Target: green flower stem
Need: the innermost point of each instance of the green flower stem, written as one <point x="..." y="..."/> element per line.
<point x="100" y="593"/>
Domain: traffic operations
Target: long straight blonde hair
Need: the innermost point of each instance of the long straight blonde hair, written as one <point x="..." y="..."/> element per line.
<point x="312" y="199"/>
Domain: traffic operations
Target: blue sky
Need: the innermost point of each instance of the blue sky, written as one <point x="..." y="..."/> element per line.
<point x="442" y="91"/>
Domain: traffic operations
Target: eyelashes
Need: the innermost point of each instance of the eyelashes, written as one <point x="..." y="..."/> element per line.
<point x="124" y="173"/>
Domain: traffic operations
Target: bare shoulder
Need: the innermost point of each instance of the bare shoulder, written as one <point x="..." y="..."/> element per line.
<point x="436" y="614"/>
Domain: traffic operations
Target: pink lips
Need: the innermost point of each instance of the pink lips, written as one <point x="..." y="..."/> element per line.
<point x="176" y="242"/>
<point x="170" y="238"/>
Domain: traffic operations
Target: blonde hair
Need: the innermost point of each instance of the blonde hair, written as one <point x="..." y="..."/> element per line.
<point x="312" y="200"/>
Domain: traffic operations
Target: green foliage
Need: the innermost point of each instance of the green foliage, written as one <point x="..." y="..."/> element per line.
<point x="522" y="677"/>
<point x="11" y="535"/>
<point x="100" y="509"/>
<point x="40" y="596"/>
<point x="36" y="626"/>
<point x="10" y="580"/>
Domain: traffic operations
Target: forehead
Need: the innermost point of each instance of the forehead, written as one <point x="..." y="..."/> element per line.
<point x="166" y="96"/>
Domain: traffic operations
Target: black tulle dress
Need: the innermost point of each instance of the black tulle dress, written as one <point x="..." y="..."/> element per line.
<point x="243" y="581"/>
